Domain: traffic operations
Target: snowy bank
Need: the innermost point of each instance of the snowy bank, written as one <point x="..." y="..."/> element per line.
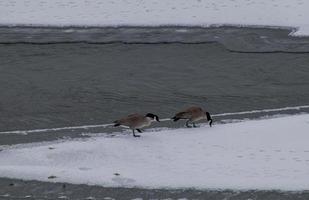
<point x="292" y="13"/>
<point x="257" y="154"/>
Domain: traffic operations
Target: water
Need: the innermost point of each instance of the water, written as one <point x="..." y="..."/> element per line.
<point x="53" y="77"/>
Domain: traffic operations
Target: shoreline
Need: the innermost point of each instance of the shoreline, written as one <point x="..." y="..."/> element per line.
<point x="172" y="26"/>
<point x="19" y="189"/>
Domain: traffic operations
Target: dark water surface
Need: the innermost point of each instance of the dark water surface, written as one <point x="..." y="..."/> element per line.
<point x="53" y="77"/>
<point x="72" y="84"/>
<point x="65" y="84"/>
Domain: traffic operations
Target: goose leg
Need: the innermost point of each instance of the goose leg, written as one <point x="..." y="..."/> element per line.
<point x="194" y="125"/>
<point x="134" y="134"/>
<point x="187" y="124"/>
<point x="139" y="130"/>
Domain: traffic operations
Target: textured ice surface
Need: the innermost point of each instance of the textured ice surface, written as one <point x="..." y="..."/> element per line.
<point x="292" y="13"/>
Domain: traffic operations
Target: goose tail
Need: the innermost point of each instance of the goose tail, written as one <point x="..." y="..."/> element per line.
<point x="175" y="119"/>
<point x="116" y="123"/>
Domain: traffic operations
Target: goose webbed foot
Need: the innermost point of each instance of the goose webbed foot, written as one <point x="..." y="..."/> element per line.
<point x="138" y="131"/>
<point x="187" y="124"/>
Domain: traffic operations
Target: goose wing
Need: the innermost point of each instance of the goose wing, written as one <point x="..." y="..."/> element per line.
<point x="188" y="113"/>
<point x="130" y="120"/>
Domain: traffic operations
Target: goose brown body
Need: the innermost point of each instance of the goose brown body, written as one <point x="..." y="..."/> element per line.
<point x="193" y="114"/>
<point x="137" y="121"/>
<point x="134" y="121"/>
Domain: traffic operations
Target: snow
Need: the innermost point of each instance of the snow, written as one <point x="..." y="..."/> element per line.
<point x="291" y="13"/>
<point x="255" y="154"/>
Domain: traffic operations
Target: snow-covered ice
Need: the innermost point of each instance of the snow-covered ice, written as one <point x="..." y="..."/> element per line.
<point x="292" y="13"/>
<point x="256" y="154"/>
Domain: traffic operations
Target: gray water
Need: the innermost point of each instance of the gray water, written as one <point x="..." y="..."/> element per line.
<point x="53" y="77"/>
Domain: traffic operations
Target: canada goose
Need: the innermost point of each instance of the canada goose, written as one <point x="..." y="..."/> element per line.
<point x="137" y="121"/>
<point x="193" y="114"/>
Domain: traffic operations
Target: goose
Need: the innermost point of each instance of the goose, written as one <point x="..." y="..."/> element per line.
<point x="193" y="114"/>
<point x="137" y="121"/>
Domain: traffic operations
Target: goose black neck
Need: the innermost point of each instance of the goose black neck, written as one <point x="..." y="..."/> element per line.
<point x="209" y="118"/>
